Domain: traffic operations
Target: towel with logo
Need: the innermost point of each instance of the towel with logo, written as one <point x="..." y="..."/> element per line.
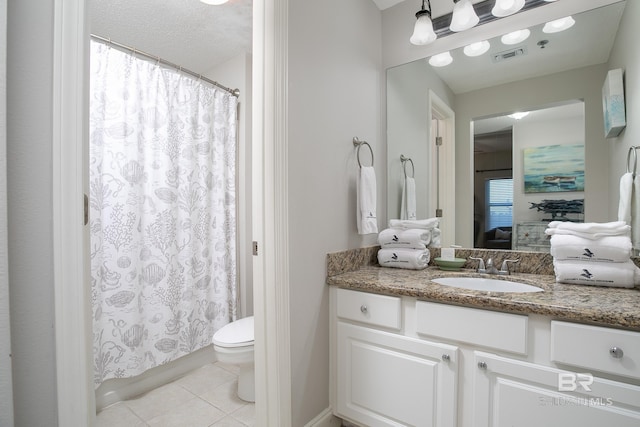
<point x="605" y="249"/>
<point x="413" y="238"/>
<point x="367" y="221"/>
<point x="618" y="274"/>
<point x="412" y="259"/>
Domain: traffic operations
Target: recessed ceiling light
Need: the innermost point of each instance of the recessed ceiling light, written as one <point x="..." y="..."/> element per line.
<point x="519" y="115"/>
<point x="441" y="59"/>
<point x="558" y="25"/>
<point x="516" y="37"/>
<point x="214" y="2"/>
<point x="477" y="48"/>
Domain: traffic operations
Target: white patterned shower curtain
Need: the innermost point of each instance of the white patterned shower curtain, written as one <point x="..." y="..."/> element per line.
<point x="163" y="212"/>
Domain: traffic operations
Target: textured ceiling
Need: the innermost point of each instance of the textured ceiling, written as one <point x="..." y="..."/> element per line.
<point x="187" y="32"/>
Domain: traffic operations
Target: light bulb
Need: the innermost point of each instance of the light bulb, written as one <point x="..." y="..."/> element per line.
<point x="504" y="8"/>
<point x="519" y="115"/>
<point x="464" y="16"/>
<point x="515" y="37"/>
<point x="477" y="48"/>
<point x="214" y="2"/>
<point x="558" y="25"/>
<point x="423" y="31"/>
<point x="441" y="59"/>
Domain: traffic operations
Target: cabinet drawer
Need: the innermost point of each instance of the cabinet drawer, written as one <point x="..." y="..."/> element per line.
<point x="372" y="309"/>
<point x="491" y="329"/>
<point x="602" y="349"/>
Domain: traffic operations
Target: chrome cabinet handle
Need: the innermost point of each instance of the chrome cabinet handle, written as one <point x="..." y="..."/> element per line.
<point x="446" y="357"/>
<point x="363" y="309"/>
<point x="616" y="352"/>
<point x="482" y="365"/>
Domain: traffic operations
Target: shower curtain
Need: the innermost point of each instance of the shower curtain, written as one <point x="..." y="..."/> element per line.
<point x="163" y="212"/>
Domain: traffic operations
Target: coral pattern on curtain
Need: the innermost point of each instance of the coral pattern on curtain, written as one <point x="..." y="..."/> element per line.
<point x="163" y="212"/>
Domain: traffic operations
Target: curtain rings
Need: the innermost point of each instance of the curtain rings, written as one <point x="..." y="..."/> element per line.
<point x="404" y="161"/>
<point x="358" y="143"/>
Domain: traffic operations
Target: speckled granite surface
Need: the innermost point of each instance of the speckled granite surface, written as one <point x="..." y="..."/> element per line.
<point x="614" y="307"/>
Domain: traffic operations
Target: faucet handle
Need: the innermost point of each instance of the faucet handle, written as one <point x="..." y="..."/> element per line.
<point x="481" y="267"/>
<point x="505" y="266"/>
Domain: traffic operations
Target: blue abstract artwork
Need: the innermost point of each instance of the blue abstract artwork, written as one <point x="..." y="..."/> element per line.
<point x="613" y="104"/>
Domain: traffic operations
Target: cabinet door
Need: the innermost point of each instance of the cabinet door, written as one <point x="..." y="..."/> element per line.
<point x="510" y="392"/>
<point x="385" y="379"/>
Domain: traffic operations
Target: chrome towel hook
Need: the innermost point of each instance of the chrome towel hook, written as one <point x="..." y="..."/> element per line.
<point x="358" y="143"/>
<point x="404" y="161"/>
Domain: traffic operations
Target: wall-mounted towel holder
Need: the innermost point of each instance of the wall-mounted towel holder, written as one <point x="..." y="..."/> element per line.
<point x="404" y="161"/>
<point x="632" y="149"/>
<point x="358" y="143"/>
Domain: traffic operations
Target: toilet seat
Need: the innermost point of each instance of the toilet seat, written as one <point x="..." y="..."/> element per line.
<point x="235" y="334"/>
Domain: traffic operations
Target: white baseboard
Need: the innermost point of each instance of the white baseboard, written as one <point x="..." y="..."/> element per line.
<point x="325" y="419"/>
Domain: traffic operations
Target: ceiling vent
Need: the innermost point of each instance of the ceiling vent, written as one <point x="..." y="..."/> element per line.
<point x="509" y="54"/>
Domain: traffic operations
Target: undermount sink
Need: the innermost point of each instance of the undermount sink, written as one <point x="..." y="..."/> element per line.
<point x="486" y="284"/>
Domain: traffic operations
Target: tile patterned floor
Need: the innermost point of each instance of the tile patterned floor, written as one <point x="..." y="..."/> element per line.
<point x="204" y="398"/>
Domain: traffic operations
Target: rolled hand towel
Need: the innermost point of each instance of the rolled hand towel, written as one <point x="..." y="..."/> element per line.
<point x="435" y="238"/>
<point x="366" y="201"/>
<point x="605" y="249"/>
<point x="426" y="224"/>
<point x="413" y="238"/>
<point x="619" y="274"/>
<point x="589" y="230"/>
<point x="412" y="259"/>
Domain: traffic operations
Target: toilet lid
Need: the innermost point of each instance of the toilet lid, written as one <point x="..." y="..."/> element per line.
<point x="235" y="334"/>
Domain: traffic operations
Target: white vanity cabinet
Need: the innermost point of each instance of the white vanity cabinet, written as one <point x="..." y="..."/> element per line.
<point x="498" y="369"/>
<point x="380" y="376"/>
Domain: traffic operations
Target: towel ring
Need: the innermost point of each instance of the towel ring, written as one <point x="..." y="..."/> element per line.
<point x="632" y="149"/>
<point x="404" y="161"/>
<point x="358" y="143"/>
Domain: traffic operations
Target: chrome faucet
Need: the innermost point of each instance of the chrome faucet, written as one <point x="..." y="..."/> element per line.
<point x="489" y="268"/>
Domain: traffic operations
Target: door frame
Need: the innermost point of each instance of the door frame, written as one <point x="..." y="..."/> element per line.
<point x="73" y="332"/>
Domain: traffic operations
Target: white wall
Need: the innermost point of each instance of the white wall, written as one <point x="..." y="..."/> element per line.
<point x="626" y="55"/>
<point x="6" y="392"/>
<point x="568" y="131"/>
<point x="334" y="94"/>
<point x="236" y="74"/>
<point x="29" y="192"/>
<point x="581" y="84"/>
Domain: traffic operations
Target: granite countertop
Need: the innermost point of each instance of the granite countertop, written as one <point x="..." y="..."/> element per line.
<point x="613" y="307"/>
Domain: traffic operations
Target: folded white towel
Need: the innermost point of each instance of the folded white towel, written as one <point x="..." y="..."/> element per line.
<point x="413" y="238"/>
<point x="624" y="205"/>
<point x="366" y="201"/>
<point x="605" y="249"/>
<point x="635" y="213"/>
<point x="618" y="274"/>
<point x="435" y="238"/>
<point x="412" y="259"/>
<point x="408" y="206"/>
<point x="589" y="230"/>
<point x="426" y="224"/>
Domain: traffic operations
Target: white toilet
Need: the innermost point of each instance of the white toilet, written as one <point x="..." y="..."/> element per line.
<point x="233" y="344"/>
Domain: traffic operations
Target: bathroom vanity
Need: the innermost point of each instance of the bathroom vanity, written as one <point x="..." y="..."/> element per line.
<point x="407" y="351"/>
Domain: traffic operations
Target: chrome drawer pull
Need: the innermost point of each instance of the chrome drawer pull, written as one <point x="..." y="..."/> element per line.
<point x="482" y="365"/>
<point x="616" y="352"/>
<point x="363" y="309"/>
<point x="446" y="357"/>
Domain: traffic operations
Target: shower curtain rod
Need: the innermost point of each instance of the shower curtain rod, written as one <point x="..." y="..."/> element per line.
<point x="234" y="92"/>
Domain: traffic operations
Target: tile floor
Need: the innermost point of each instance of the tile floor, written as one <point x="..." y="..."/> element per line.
<point x="205" y="397"/>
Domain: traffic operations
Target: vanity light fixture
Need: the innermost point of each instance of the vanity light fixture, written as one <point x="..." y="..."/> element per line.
<point x="477" y="48"/>
<point x="423" y="31"/>
<point x="519" y="115"/>
<point x="441" y="60"/>
<point x="504" y="8"/>
<point x="464" y="16"/>
<point x="516" y="37"/>
<point x="558" y="25"/>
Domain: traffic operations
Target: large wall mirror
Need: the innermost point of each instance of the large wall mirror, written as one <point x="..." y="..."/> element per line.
<point x="557" y="78"/>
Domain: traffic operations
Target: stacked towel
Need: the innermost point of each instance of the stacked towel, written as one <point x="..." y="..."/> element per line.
<point x="413" y="259"/>
<point x="367" y="220"/>
<point x="405" y="243"/>
<point x="593" y="254"/>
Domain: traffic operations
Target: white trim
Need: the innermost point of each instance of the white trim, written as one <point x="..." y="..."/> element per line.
<point x="72" y="311"/>
<point x="325" y="419"/>
<point x="270" y="213"/>
<point x="447" y="179"/>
